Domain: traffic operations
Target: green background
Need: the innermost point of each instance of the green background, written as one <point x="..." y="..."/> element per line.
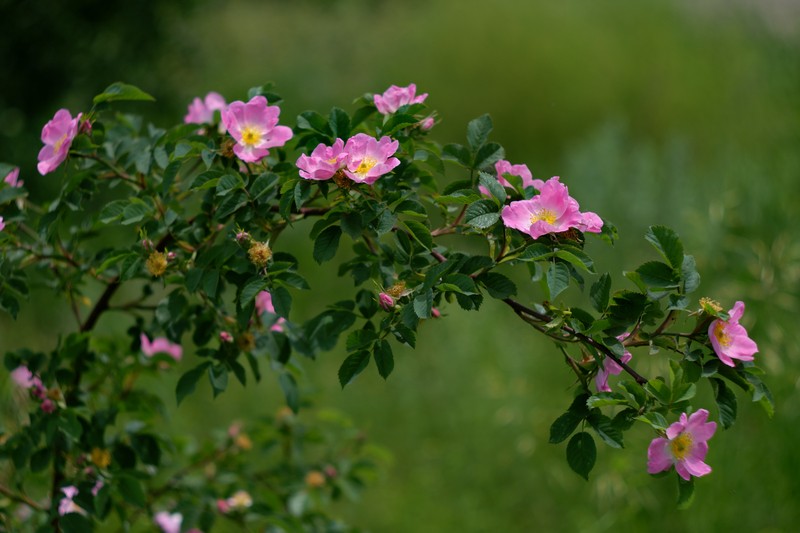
<point x="679" y="113"/>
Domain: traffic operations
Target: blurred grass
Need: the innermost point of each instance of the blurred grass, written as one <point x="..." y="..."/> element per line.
<point x="662" y="112"/>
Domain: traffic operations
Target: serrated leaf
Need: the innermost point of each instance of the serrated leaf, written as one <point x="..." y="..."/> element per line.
<point x="360" y="339"/>
<point x="326" y="244"/>
<point x="228" y="183"/>
<point x="353" y="365"/>
<point x="563" y="426"/>
<point x="606" y="430"/>
<point x="691" y="278"/>
<point x="423" y="303"/>
<point x="659" y="275"/>
<point x="656" y="420"/>
<point x="726" y="402"/>
<point x="581" y="454"/>
<point x="420" y="232"/>
<point x="457" y="152"/>
<point x="557" y="279"/>
<point x="188" y="381"/>
<point x="478" y="131"/>
<point x="602" y="399"/>
<point x="339" y="123"/>
<point x="599" y="293"/>
<point x="384" y="360"/>
<point x="119" y="91"/>
<point x="493" y="186"/>
<point x="498" y="285"/>
<point x="482" y="214"/>
<point x="135" y="211"/>
<point x="250" y="291"/>
<point x="667" y="242"/>
<point x="131" y="490"/>
<point x="488" y="155"/>
<point x="659" y="390"/>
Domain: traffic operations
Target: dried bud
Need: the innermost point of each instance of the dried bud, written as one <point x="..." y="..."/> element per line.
<point x="157" y="263"/>
<point x="259" y="254"/>
<point x="315" y="479"/>
<point x="101" y="457"/>
<point x="246" y="342"/>
<point x="397" y="290"/>
<point x="341" y="180"/>
<point x="712" y="307"/>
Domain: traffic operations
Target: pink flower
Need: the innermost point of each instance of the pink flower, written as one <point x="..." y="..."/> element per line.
<point x="684" y="446"/>
<point x="2" y="224"/>
<point x="551" y="211"/>
<point x="48" y="405"/>
<point x="12" y="178"/>
<point x="97" y="487"/>
<point x="505" y="167"/>
<point x="224" y="336"/>
<point x="264" y="305"/>
<point x="66" y="505"/>
<point x="254" y="125"/>
<point x="323" y="162"/>
<point x="169" y="523"/>
<point x="435" y="313"/>
<point x="395" y="97"/>
<point x="729" y="339"/>
<point x="368" y="158"/>
<point x="160" y="345"/>
<point x="202" y="111"/>
<point x="610" y="367"/>
<point x="385" y="301"/>
<point x="25" y="378"/>
<point x="57" y="136"/>
<point x="427" y="123"/>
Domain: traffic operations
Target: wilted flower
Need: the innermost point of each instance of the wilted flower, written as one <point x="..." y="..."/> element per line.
<point x="66" y="505"/>
<point x="12" y="178"/>
<point x="685" y="446"/>
<point x="156" y="263"/>
<point x="368" y="159"/>
<point x="254" y="125"/>
<point x="610" y="367"/>
<point x="395" y="97"/>
<point x="323" y="162"/>
<point x="57" y="136"/>
<point x="315" y="479"/>
<point x="259" y="253"/>
<point x="729" y="339"/>
<point x="160" y="345"/>
<point x="169" y="523"/>
<point x="551" y="211"/>
<point x="202" y="111"/>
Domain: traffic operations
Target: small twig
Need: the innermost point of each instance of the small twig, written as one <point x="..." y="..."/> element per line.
<point x="17" y="497"/>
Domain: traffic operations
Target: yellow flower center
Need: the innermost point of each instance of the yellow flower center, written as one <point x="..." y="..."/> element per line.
<point x="332" y="160"/>
<point x="681" y="445"/>
<point x="543" y="214"/>
<point x="59" y="143"/>
<point x="366" y="165"/>
<point x="251" y="136"/>
<point x="722" y="336"/>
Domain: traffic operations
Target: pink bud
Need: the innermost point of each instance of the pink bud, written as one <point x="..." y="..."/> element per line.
<point x="48" y="406"/>
<point x="435" y="313"/>
<point x="222" y="506"/>
<point x="171" y="256"/>
<point x="224" y="336"/>
<point x="386" y="301"/>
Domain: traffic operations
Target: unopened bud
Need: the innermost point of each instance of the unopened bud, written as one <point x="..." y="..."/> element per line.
<point x="386" y="301"/>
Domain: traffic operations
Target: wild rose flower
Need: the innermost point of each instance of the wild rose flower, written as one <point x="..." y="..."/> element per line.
<point x="264" y="305"/>
<point x="202" y="111"/>
<point x="224" y="336"/>
<point x="23" y="377"/>
<point x="222" y="506"/>
<point x="48" y="406"/>
<point x="57" y="136"/>
<point x="160" y="345"/>
<point x="2" y="224"/>
<point x="368" y="158"/>
<point x="396" y="97"/>
<point x="240" y="500"/>
<point x="610" y="367"/>
<point x="729" y="338"/>
<point x="505" y="167"/>
<point x="685" y="446"/>
<point x="254" y="125"/>
<point x="551" y="211"/>
<point x="12" y="178"/>
<point x="168" y="522"/>
<point x="66" y="505"/>
<point x="323" y="162"/>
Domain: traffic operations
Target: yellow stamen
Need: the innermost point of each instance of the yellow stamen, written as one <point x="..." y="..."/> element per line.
<point x="366" y="165"/>
<point x="543" y="214"/>
<point x="722" y="336"/>
<point x="61" y="141"/>
<point x="681" y="445"/>
<point x="251" y="136"/>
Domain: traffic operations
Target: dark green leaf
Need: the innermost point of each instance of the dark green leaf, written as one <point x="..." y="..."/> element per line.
<point x="353" y="366"/>
<point x="563" y="426"/>
<point x="726" y="402"/>
<point x="599" y="293"/>
<point x="382" y="352"/>
<point x="420" y="232"/>
<point x="360" y="339"/>
<point x="691" y="279"/>
<point x="228" y="183"/>
<point x="602" y="399"/>
<point x="147" y="448"/>
<point x="121" y="91"/>
<point x="498" y="285"/>
<point x="339" y="123"/>
<point x="290" y="392"/>
<point x="327" y="243"/>
<point x="488" y="155"/>
<point x="658" y="275"/>
<point x="218" y="377"/>
<point x="131" y="490"/>
<point x="557" y="279"/>
<point x="281" y="301"/>
<point x="667" y="242"/>
<point x="423" y="302"/>
<point x="606" y="430"/>
<point x="482" y="214"/>
<point x="581" y="454"/>
<point x="457" y="152"/>
<point x="188" y="381"/>
<point x="478" y="131"/>
<point x="685" y="492"/>
<point x="659" y="390"/>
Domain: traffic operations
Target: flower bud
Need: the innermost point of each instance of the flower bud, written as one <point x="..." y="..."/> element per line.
<point x="386" y="301"/>
<point x="48" y="406"/>
<point x="224" y="336"/>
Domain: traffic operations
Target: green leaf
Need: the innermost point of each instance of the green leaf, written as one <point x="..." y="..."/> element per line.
<point x="218" y="377"/>
<point x="691" y="279"/>
<point x="581" y="454"/>
<point x="606" y="430"/>
<point x="478" y="131"/>
<point x="726" y="402"/>
<point x="423" y="303"/>
<point x="659" y="390"/>
<point x="135" y="211"/>
<point x="563" y="426"/>
<point x="281" y="301"/>
<point x="761" y="393"/>
<point x="74" y="523"/>
<point x="577" y="258"/>
<point x="147" y="448"/>
<point x="382" y="352"/>
<point x="498" y="285"/>
<point x="656" y="420"/>
<point x="667" y="242"/>
<point x="685" y="492"/>
<point x="119" y="91"/>
<point x="557" y="279"/>
<point x="482" y="214"/>
<point x="488" y="155"/>
<point x="353" y="366"/>
<point x="131" y="490"/>
<point x="290" y="392"/>
<point x="494" y="187"/>
<point x="326" y="244"/>
<point x="112" y="211"/>
<point x="188" y="381"/>
<point x="250" y="291"/>
<point x="457" y="152"/>
<point x="360" y="339"/>
<point x="659" y="275"/>
<point x="311" y="120"/>
<point x="420" y="232"/>
<point x="228" y="183"/>
<point x="602" y="399"/>
<point x="599" y="293"/>
<point x="339" y="122"/>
